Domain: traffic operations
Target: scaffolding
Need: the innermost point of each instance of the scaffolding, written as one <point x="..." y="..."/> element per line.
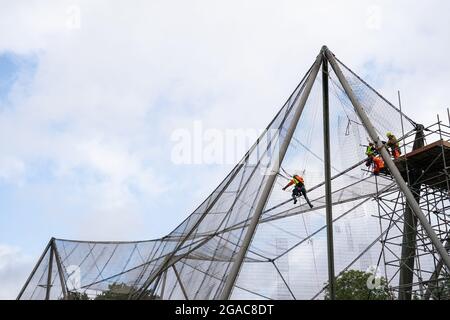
<point x="248" y="241"/>
<point x="417" y="272"/>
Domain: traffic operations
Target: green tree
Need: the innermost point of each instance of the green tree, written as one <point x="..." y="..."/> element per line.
<point x="439" y="291"/>
<point x="120" y="291"/>
<point x="356" y="285"/>
<point x="75" y="295"/>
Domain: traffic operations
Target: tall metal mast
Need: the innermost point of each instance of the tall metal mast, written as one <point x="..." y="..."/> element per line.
<point x="327" y="166"/>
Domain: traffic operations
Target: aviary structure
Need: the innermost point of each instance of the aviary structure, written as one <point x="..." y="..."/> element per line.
<point x="247" y="240"/>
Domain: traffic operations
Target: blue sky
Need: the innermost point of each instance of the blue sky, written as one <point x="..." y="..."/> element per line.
<point x="15" y="68"/>
<point x="9" y="71"/>
<point x="91" y="91"/>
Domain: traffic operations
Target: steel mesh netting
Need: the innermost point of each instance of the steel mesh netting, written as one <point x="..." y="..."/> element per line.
<point x="206" y="266"/>
<point x="197" y="256"/>
<point x="287" y="258"/>
<point x="37" y="288"/>
<point x="301" y="271"/>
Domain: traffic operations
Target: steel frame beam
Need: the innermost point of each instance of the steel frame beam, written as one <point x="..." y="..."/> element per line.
<point x="327" y="169"/>
<point x="60" y="271"/>
<point x="50" y="271"/>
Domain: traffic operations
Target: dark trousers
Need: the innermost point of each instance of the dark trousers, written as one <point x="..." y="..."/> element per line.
<point x="300" y="190"/>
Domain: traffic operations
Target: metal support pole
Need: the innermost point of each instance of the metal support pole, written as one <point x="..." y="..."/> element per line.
<point x="232" y="276"/>
<point x="49" y="275"/>
<point x="327" y="166"/>
<point x="387" y="159"/>
<point x="410" y="228"/>
<point x="41" y="258"/>
<point x="163" y="285"/>
<point x="180" y="283"/>
<point x="448" y="116"/>
<point x="60" y="271"/>
<point x="443" y="153"/>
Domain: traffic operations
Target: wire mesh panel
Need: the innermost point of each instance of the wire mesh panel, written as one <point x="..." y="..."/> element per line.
<point x="287" y="257"/>
<point x="36" y="287"/>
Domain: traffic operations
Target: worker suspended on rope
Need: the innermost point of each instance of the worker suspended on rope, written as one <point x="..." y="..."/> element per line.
<point x="299" y="188"/>
<point x="393" y="145"/>
<point x="377" y="163"/>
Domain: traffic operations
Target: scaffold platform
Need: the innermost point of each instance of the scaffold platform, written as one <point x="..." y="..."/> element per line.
<point x="430" y="162"/>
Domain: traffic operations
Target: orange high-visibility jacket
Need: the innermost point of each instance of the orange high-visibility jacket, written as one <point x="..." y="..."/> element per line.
<point x="297" y="180"/>
<point x="379" y="163"/>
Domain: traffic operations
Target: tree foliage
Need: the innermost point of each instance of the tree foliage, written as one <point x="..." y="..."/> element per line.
<point x="442" y="291"/>
<point x="75" y="295"/>
<point x="116" y="291"/>
<point x="121" y="291"/>
<point x="434" y="291"/>
<point x="359" y="285"/>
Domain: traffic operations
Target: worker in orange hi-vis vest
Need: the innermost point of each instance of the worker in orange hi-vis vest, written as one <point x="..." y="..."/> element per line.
<point x="299" y="188"/>
<point x="377" y="162"/>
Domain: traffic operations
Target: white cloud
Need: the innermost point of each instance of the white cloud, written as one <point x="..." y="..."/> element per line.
<point x="209" y="60"/>
<point x="12" y="170"/>
<point x="15" y="266"/>
<point x="106" y="96"/>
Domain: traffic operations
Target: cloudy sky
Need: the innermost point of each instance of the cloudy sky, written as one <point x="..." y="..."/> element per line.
<point x="91" y="93"/>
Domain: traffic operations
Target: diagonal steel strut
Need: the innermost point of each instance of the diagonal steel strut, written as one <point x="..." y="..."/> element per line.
<point x="232" y="276"/>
